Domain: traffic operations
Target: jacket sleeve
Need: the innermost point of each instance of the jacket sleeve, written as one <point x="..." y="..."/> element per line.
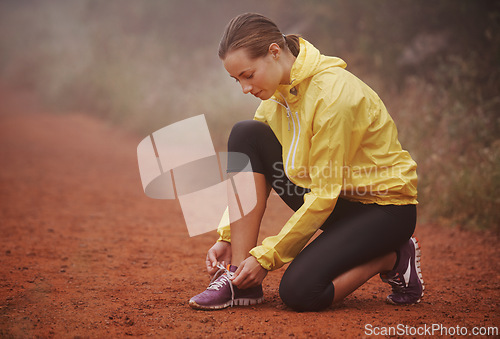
<point x="329" y="143"/>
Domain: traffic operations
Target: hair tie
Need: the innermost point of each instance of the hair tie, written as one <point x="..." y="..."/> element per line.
<point x="284" y="35"/>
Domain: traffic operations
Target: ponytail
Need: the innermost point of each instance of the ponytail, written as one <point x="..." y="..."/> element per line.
<point x="293" y="44"/>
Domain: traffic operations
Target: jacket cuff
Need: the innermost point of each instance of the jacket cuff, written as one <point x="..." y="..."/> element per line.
<point x="224" y="229"/>
<point x="265" y="257"/>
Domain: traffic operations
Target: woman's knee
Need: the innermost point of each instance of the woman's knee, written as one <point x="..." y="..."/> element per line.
<point x="303" y="295"/>
<point x="289" y="295"/>
<point x="246" y="130"/>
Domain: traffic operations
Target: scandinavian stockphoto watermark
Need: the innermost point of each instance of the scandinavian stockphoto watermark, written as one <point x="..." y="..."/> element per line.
<point x="429" y="330"/>
<point x="336" y="178"/>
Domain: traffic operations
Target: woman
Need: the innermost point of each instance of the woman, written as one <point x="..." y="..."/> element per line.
<point x="324" y="141"/>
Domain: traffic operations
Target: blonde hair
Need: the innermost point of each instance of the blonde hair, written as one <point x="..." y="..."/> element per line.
<point x="256" y="33"/>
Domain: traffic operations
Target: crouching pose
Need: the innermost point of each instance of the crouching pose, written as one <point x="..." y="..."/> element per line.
<point x="324" y="141"/>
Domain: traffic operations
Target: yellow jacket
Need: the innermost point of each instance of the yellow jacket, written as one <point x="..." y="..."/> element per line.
<point x="338" y="140"/>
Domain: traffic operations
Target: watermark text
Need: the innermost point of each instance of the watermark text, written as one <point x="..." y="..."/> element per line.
<point x="431" y="330"/>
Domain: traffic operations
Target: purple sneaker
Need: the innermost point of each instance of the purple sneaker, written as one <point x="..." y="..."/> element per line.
<point x="221" y="293"/>
<point x="406" y="279"/>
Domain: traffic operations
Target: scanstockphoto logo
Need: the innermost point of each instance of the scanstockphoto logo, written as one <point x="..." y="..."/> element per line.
<point x="179" y="162"/>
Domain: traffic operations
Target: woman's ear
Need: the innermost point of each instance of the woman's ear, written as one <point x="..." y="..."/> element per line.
<point x="274" y="50"/>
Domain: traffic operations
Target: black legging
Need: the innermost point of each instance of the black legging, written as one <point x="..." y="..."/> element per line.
<point x="352" y="235"/>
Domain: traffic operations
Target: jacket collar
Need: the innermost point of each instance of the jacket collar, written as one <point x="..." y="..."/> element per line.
<point x="308" y="63"/>
<point x="303" y="67"/>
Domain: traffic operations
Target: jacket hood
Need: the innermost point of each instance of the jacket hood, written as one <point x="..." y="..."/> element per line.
<point x="309" y="62"/>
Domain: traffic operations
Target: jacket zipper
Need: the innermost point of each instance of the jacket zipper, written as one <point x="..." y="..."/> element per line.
<point x="295" y="143"/>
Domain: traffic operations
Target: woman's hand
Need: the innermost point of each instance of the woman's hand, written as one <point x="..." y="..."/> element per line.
<point x="220" y="252"/>
<point x="249" y="273"/>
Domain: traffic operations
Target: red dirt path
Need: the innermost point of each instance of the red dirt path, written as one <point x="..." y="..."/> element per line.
<point x="84" y="253"/>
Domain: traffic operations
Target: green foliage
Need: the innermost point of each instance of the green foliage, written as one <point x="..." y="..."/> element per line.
<point x="144" y="64"/>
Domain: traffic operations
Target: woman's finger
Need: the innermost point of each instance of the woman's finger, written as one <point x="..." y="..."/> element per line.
<point x="242" y="278"/>
<point x="238" y="276"/>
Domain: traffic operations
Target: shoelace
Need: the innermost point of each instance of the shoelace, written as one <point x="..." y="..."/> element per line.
<point x="220" y="279"/>
<point x="396" y="284"/>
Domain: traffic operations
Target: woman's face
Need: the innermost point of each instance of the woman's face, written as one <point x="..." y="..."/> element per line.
<point x="260" y="77"/>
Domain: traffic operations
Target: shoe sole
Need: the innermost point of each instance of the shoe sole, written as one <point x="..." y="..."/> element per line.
<point x="418" y="254"/>
<point x="237" y="302"/>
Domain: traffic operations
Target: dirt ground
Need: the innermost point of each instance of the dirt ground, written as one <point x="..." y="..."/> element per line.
<point x="84" y="253"/>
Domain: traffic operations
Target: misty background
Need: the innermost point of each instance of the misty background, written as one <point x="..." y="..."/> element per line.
<point x="144" y="64"/>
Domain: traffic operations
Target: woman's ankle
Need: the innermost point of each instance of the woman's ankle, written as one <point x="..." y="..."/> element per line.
<point x="389" y="262"/>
